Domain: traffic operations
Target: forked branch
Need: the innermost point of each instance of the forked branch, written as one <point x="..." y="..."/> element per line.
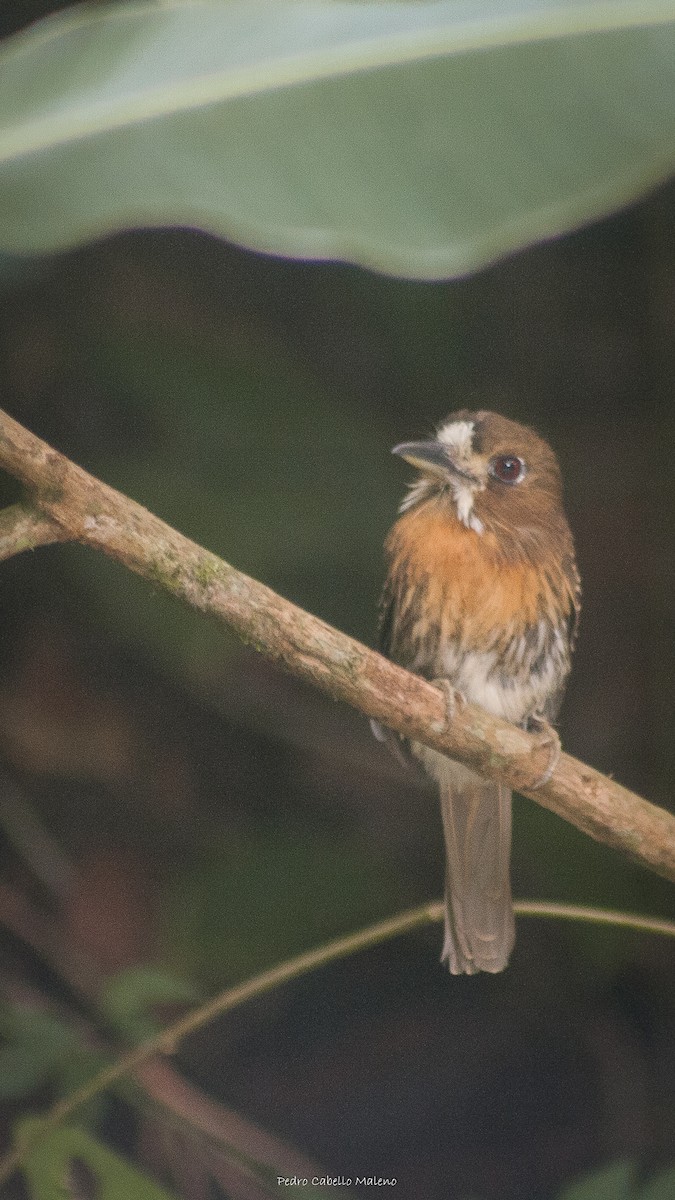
<point x="24" y="527"/>
<point x="86" y="510"/>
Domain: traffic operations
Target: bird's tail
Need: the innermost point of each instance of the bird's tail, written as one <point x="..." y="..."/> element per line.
<point x="479" y="925"/>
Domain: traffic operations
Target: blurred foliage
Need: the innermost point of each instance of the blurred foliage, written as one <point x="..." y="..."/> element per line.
<point x="39" y="1049"/>
<point x="126" y="998"/>
<point x="620" y="1182"/>
<point x="69" y="1162"/>
<point x="35" y="1047"/>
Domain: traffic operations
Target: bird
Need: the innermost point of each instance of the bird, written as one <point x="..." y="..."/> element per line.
<point x="482" y="594"/>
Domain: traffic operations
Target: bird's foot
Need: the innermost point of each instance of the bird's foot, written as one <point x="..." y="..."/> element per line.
<point x="539" y="724"/>
<point x="454" y="699"/>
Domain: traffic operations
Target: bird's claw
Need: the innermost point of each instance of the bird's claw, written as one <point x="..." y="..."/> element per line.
<point x="539" y="724"/>
<point x="454" y="699"/>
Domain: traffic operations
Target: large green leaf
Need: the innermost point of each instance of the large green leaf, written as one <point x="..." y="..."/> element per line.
<point x="420" y="139"/>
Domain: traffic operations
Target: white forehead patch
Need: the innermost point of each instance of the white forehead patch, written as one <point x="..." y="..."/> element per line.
<point x="458" y="437"/>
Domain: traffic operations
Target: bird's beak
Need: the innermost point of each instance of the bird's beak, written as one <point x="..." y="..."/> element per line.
<point x="432" y="458"/>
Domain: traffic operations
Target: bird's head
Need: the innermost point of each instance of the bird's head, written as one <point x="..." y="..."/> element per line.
<point x="488" y="473"/>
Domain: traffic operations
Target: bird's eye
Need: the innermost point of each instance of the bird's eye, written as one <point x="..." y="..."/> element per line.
<point x="507" y="468"/>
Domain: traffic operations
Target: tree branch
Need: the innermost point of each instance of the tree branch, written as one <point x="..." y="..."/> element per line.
<point x="89" y="511"/>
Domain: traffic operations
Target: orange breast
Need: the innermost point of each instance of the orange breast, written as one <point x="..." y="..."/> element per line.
<point x="472" y="591"/>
